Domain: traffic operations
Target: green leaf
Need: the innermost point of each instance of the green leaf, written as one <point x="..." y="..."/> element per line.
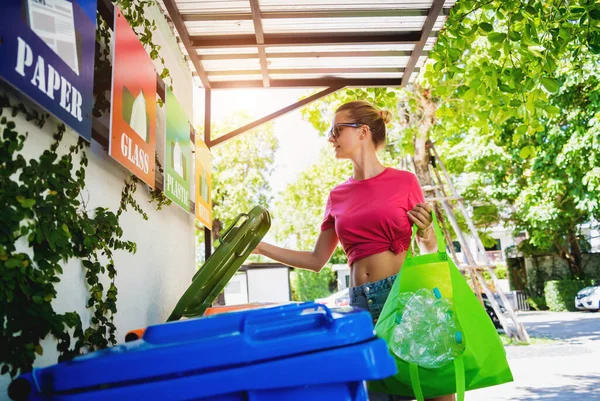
<point x="39" y="350"/>
<point x="470" y="94"/>
<point x="514" y="36"/>
<point x="522" y="129"/>
<point x="26" y="203"/>
<point x="515" y="103"/>
<point x="550" y="84"/>
<point x="595" y="14"/>
<point x="497" y="37"/>
<point x="11" y="263"/>
<point x="486" y="27"/>
<point x="575" y="10"/>
<point x="525" y="152"/>
<point x="507" y="89"/>
<point x="37" y="299"/>
<point x="563" y="33"/>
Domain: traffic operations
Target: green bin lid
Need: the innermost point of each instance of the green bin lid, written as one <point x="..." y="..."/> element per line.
<point x="236" y="244"/>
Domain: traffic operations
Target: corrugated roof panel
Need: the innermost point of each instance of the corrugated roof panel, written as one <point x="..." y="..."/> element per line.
<point x="345" y="75"/>
<point x="304" y="5"/>
<point x="246" y="77"/>
<point x="345" y="48"/>
<point x="421" y="61"/>
<point x="229" y="65"/>
<point x="339" y="62"/>
<point x="358" y="24"/>
<point x="228" y="50"/>
<point x="218" y="6"/>
<point x="238" y="27"/>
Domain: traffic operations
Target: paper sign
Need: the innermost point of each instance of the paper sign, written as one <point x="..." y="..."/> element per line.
<point x="47" y="53"/>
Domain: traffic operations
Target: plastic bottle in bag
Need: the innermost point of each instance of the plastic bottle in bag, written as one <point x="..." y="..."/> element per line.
<point x="427" y="332"/>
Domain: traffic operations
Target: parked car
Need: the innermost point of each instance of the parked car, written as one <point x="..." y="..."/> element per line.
<point x="337" y="299"/>
<point x="490" y="311"/>
<point x="588" y="298"/>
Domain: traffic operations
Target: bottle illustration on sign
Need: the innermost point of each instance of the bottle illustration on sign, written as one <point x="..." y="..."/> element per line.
<point x="178" y="159"/>
<point x="138" y="120"/>
<point x="203" y="185"/>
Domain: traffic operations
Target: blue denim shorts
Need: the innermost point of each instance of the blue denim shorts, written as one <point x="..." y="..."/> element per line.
<point x="372" y="297"/>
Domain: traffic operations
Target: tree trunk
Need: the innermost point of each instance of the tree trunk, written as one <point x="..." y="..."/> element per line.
<point x="574" y="258"/>
<point x="217" y="226"/>
<point x="422" y="155"/>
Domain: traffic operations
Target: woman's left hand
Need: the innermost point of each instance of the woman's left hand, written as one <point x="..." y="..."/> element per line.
<point x="421" y="216"/>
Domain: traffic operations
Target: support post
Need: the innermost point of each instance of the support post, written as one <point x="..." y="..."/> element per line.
<point x="207" y="133"/>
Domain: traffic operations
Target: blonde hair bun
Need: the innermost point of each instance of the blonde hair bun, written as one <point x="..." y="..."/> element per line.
<point x="386" y="116"/>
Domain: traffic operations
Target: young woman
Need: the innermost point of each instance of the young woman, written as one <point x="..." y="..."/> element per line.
<point x="371" y="214"/>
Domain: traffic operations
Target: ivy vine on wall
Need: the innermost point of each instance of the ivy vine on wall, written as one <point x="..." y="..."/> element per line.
<point x="45" y="221"/>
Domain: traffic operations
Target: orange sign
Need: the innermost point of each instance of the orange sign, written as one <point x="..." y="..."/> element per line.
<point x="203" y="184"/>
<point x="133" y="106"/>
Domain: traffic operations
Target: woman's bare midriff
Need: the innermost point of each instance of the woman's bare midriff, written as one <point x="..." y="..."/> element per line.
<point x="376" y="267"/>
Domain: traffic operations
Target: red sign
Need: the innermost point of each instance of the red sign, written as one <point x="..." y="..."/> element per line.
<point x="133" y="106"/>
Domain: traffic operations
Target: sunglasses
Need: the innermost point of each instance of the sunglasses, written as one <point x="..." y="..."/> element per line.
<point x="334" y="132"/>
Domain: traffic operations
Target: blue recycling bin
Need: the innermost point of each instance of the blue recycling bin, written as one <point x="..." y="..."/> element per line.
<point x="290" y="352"/>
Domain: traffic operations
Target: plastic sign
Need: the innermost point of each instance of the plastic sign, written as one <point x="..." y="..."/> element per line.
<point x="47" y="53"/>
<point x="203" y="184"/>
<point x="133" y="106"/>
<point x="178" y="158"/>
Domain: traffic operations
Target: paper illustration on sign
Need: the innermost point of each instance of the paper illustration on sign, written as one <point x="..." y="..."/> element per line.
<point x="47" y="53"/>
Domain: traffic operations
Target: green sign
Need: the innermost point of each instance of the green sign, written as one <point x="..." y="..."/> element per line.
<point x="178" y="158"/>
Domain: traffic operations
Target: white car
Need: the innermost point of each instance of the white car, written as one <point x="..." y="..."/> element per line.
<point x="337" y="299"/>
<point x="588" y="298"/>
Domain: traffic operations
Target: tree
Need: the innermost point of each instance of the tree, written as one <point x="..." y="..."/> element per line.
<point x="549" y="193"/>
<point x="493" y="73"/>
<point x="506" y="76"/>
<point x="298" y="214"/>
<point x="241" y="171"/>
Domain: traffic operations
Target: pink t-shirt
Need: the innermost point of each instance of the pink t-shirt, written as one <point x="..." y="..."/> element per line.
<point x="369" y="215"/>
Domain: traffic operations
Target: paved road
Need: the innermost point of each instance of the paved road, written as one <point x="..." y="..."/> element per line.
<point x="566" y="370"/>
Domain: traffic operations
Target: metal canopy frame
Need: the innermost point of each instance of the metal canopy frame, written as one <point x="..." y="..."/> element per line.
<point x="328" y="44"/>
<point x="317" y="44"/>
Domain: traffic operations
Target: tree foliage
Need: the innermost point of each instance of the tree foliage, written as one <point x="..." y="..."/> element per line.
<point x="516" y="88"/>
<point x="514" y="91"/>
<point x="500" y="59"/>
<point x="297" y="218"/>
<point x="242" y="168"/>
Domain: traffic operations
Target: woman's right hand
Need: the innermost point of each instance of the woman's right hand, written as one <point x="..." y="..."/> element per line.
<point x="257" y="250"/>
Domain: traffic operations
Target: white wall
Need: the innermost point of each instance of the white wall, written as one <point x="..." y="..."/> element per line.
<point x="268" y="285"/>
<point x="151" y="281"/>
<point x="236" y="291"/>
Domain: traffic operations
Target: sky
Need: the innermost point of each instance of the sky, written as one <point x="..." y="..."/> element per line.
<point x="299" y="142"/>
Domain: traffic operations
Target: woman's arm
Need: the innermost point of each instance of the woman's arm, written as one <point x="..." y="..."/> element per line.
<point x="421" y="216"/>
<point x="310" y="260"/>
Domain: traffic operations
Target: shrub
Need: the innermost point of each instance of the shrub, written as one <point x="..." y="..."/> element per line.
<point x="560" y="294"/>
<point x="537" y="303"/>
